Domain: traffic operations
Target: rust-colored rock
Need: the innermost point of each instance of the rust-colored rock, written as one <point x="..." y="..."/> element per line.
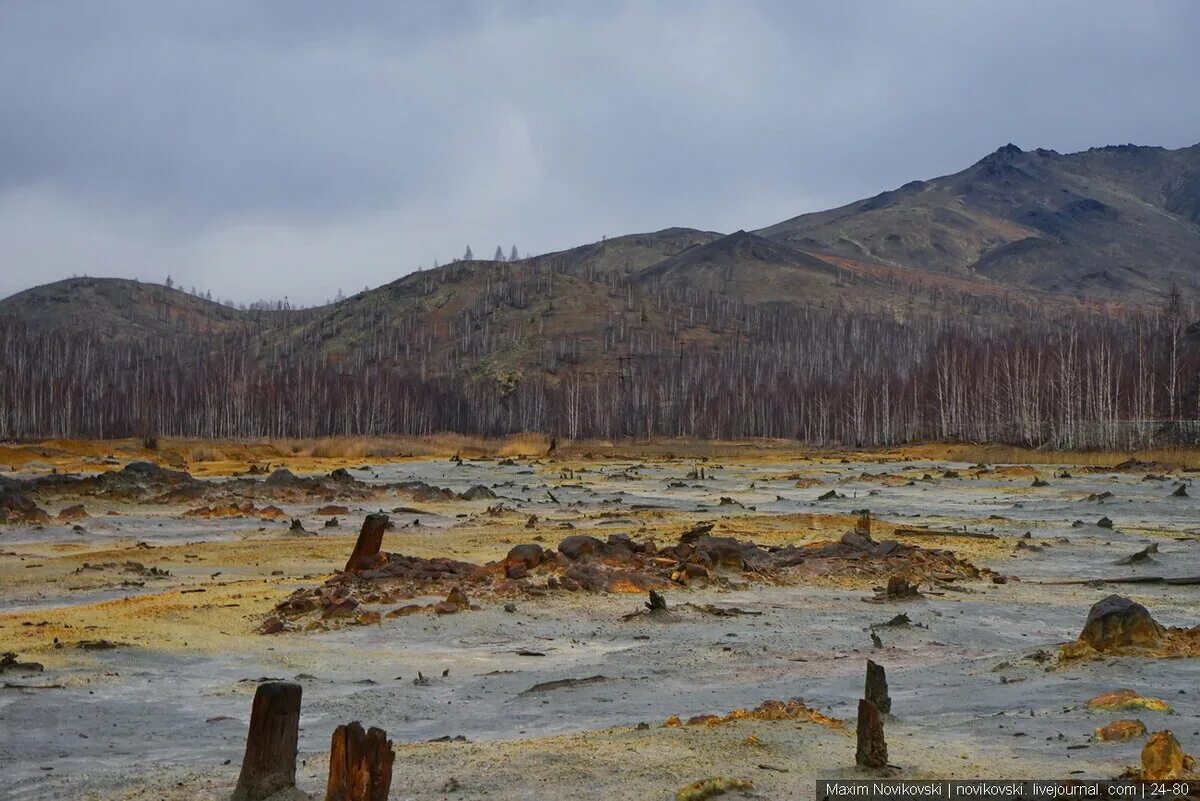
<point x="1120" y="730"/>
<point x="1163" y="758"/>
<point x="360" y="764"/>
<point x="1125" y="699"/>
<point x="872" y="748"/>
<point x="529" y="555"/>
<point x="76" y="512"/>
<point x="1118" y="622"/>
<point x="876" y="689"/>
<point x="370" y="540"/>
<point x="269" y="765"/>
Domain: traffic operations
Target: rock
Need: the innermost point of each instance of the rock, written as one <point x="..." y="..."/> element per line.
<point x="456" y="601"/>
<point x="8" y="662"/>
<point x="342" y="476"/>
<point x="872" y="749"/>
<point x="1163" y="758"/>
<point x="280" y="478"/>
<point x="1125" y="699"/>
<point x="1120" y="730"/>
<point x="1180" y="492"/>
<point x="360" y="764"/>
<point x="476" y="492"/>
<point x="332" y="509"/>
<point x="271" y="625"/>
<point x="857" y="541"/>
<point x="269" y="765"/>
<point x="876" y="689"/>
<point x="76" y="512"/>
<point x="577" y="546"/>
<point x="370" y="540"/>
<point x="529" y="555"/>
<point x="1104" y="522"/>
<point x="586" y="577"/>
<point x="1118" y="622"/>
<point x="828" y="496"/>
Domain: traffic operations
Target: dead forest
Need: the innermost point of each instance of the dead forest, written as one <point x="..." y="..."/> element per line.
<point x="657" y="360"/>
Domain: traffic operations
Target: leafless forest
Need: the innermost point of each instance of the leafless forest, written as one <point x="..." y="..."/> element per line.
<point x="664" y="361"/>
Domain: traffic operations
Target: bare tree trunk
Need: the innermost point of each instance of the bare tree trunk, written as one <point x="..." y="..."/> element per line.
<point x="360" y="764"/>
<point x="370" y="540"/>
<point x="872" y="750"/>
<point x="270" y="761"/>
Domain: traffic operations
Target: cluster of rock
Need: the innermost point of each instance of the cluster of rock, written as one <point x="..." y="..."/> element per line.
<point x="146" y="482"/>
<point x="16" y="506"/>
<point x="794" y="709"/>
<point x="581" y="562"/>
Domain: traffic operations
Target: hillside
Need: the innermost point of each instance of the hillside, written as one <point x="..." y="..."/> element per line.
<point x="1109" y="223"/>
<point x="999" y="244"/>
<point x="113" y="307"/>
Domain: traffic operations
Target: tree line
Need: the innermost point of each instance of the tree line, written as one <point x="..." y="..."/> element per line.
<point x="665" y="360"/>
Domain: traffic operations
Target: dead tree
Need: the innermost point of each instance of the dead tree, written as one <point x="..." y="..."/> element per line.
<point x="876" y="690"/>
<point x="872" y="749"/>
<point x="370" y="540"/>
<point x="360" y="764"/>
<point x="270" y="761"/>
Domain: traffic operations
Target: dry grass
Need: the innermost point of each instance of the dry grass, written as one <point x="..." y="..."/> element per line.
<point x="1006" y="454"/>
<point x="226" y="457"/>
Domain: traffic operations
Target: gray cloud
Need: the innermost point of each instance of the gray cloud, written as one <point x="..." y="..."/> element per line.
<point x="262" y="149"/>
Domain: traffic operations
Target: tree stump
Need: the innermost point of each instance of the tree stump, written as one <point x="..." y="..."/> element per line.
<point x="370" y="540"/>
<point x="270" y="761"/>
<point x="862" y="526"/>
<point x="360" y="764"/>
<point x="876" y="690"/>
<point x="872" y="749"/>
<point x="657" y="603"/>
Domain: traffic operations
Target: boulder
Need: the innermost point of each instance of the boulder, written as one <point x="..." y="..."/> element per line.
<point x="1117" y="622"/>
<point x="1120" y="730"/>
<point x="577" y="546"/>
<point x="1163" y="758"/>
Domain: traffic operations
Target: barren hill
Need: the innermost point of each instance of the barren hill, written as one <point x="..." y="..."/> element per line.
<point x="1117" y="222"/>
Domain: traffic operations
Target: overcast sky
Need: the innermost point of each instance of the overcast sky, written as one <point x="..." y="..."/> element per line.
<point x="263" y="149"/>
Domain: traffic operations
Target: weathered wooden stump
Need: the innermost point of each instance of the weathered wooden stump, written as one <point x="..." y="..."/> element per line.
<point x="657" y="603"/>
<point x="862" y="526"/>
<point x="370" y="540"/>
<point x="876" y="690"/>
<point x="872" y="749"/>
<point x="360" y="764"/>
<point x="270" y="761"/>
